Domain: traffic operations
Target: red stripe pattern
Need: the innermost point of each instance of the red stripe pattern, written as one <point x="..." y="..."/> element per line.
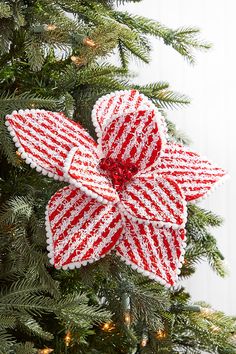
<point x="84" y="172"/>
<point x="133" y="138"/>
<point x="119" y="103"/>
<point x="80" y="229"/>
<point x="156" y="253"/>
<point x="156" y="200"/>
<point x="195" y="175"/>
<point x="127" y="193"/>
<point x="45" y="138"/>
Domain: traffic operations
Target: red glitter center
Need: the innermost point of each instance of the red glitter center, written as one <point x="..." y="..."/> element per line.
<point x="119" y="172"/>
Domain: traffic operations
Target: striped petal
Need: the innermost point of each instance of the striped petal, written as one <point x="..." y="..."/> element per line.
<point x="82" y="170"/>
<point x="119" y="103"/>
<point x="45" y="138"/>
<point x="195" y="175"/>
<point x="154" y="199"/>
<point x="133" y="138"/>
<point x="79" y="229"/>
<point x="156" y="253"/>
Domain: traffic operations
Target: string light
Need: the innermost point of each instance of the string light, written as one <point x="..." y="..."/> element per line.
<point x="45" y="351"/>
<point x="215" y="329"/>
<point x="89" y="42"/>
<point x="125" y="298"/>
<point x="144" y="341"/>
<point x="76" y="60"/>
<point x="108" y="326"/>
<point x="161" y="334"/>
<point x="127" y="318"/>
<point x="43" y="28"/>
<point x="206" y="311"/>
<point x="67" y="338"/>
<point x="50" y="27"/>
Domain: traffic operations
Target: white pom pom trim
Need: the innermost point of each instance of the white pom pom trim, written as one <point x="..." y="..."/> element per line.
<point x="25" y="156"/>
<point x="92" y="260"/>
<point x="215" y="186"/>
<point x="144" y="272"/>
<point x="154" y="276"/>
<point x="21" y="150"/>
<point x="161" y="126"/>
<point x="50" y="248"/>
<point x="49" y="237"/>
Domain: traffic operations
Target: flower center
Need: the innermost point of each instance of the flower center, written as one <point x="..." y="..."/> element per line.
<point x="118" y="171"/>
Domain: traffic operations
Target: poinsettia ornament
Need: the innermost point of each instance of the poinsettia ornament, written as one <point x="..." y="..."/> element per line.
<point x="128" y="192"/>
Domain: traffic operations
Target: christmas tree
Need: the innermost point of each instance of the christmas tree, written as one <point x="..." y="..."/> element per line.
<point x="54" y="55"/>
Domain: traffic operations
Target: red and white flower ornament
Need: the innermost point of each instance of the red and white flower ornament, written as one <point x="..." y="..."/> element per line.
<point x="127" y="192"/>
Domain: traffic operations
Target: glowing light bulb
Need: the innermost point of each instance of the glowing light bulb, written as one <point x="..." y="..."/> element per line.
<point x="51" y="27"/>
<point x="206" y="311"/>
<point x="89" y="42"/>
<point x="144" y="342"/>
<point x="127" y="318"/>
<point x="161" y="334"/>
<point x="215" y="329"/>
<point x="67" y="338"/>
<point x="76" y="60"/>
<point x="108" y="326"/>
<point x="45" y="351"/>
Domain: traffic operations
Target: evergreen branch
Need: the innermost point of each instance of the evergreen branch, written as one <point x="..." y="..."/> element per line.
<point x="7" y="320"/>
<point x="10" y="102"/>
<point x="5" y="10"/>
<point x="123" y="54"/>
<point x="104" y="75"/>
<point x="213" y="255"/>
<point x="183" y="40"/>
<point x="35" y="53"/>
<point x="6" y="341"/>
<point x="6" y="144"/>
<point x="75" y="311"/>
<point x="162" y="96"/>
<point x="24" y="295"/>
<point x="31" y="326"/>
<point x="137" y="49"/>
<point x="16" y="207"/>
<point x="199" y="219"/>
<point x="92" y="74"/>
<point x="25" y="348"/>
<point x="202" y="245"/>
<point x="204" y="332"/>
<point x="170" y="99"/>
<point x="177" y="135"/>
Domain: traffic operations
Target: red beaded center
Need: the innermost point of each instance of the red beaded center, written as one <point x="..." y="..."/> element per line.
<point x="119" y="172"/>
